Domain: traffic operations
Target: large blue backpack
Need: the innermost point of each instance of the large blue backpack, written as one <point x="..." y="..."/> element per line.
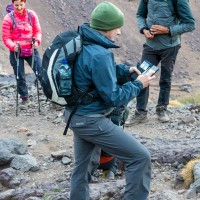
<point x="65" y="46"/>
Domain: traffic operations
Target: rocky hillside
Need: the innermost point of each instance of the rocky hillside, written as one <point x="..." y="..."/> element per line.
<point x="36" y="160"/>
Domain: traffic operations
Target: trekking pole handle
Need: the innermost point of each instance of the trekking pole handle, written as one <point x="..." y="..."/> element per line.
<point x="33" y="40"/>
<point x="18" y="46"/>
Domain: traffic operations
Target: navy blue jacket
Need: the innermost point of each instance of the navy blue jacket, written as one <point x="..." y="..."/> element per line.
<point x="96" y="66"/>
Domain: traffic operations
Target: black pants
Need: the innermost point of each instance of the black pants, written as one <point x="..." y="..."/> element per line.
<point x="20" y="72"/>
<point x="167" y="58"/>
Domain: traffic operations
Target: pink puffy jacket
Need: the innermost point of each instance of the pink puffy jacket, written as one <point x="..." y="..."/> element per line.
<point x="23" y="32"/>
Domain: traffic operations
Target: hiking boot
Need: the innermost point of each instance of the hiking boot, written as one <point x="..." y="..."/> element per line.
<point x="108" y="174"/>
<point x="24" y="100"/>
<point x="136" y="118"/>
<point x="161" y="112"/>
<point x="24" y="103"/>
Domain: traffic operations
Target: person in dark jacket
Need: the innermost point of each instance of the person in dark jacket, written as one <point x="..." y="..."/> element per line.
<point x="91" y="127"/>
<point x="162" y="23"/>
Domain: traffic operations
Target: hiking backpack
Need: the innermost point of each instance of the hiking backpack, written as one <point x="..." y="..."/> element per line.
<point x="65" y="46"/>
<point x="57" y="72"/>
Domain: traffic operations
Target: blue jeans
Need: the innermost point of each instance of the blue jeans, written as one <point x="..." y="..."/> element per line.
<point x="90" y="132"/>
<point x="167" y="58"/>
<point x="20" y="72"/>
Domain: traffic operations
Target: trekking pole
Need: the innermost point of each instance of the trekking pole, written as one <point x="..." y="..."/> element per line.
<point x="36" y="73"/>
<point x="17" y="78"/>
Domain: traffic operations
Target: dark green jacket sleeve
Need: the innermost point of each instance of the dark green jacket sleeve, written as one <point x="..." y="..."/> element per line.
<point x="186" y="21"/>
<point x="141" y="14"/>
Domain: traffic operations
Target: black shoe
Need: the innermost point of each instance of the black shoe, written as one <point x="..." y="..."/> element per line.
<point x="161" y="112"/>
<point x="136" y="118"/>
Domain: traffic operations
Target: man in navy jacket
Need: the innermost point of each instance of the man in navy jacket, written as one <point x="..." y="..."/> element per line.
<point x="96" y="67"/>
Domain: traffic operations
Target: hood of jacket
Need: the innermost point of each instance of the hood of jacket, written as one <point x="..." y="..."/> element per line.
<point x="92" y="36"/>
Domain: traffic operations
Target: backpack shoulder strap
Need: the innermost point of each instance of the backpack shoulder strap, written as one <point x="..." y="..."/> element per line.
<point x="76" y="106"/>
<point x="14" y="23"/>
<point x="12" y="16"/>
<point x="30" y="18"/>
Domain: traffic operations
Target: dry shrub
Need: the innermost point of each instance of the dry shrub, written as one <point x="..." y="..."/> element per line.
<point x="175" y="103"/>
<point x="187" y="172"/>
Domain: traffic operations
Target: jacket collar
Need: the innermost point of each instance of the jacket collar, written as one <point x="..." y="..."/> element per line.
<point x="20" y="15"/>
<point x="92" y="36"/>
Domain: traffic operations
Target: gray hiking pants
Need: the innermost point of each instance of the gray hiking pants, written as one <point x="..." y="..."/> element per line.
<point x="90" y="132"/>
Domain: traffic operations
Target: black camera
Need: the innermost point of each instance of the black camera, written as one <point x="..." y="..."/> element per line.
<point x="145" y="67"/>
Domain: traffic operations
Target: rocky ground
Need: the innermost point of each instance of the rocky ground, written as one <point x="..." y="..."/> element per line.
<point x="47" y="174"/>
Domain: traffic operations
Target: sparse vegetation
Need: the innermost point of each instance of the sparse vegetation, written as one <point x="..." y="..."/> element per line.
<point x="47" y="197"/>
<point x="56" y="190"/>
<point x="195" y="100"/>
<point x="175" y="103"/>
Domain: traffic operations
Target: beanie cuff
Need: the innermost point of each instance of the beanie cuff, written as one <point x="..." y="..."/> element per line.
<point x="98" y="24"/>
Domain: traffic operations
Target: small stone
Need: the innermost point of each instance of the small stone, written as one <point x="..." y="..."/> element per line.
<point x="23" y="129"/>
<point x="191" y="193"/>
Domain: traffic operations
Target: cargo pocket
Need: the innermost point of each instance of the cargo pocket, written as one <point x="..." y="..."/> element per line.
<point x="106" y="125"/>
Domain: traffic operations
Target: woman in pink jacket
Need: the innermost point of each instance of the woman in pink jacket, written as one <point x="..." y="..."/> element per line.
<point x="21" y="33"/>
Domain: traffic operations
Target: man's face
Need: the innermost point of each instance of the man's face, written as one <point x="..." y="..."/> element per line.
<point x="112" y="34"/>
<point x="19" y="6"/>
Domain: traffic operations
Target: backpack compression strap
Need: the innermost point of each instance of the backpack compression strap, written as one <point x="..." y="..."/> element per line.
<point x="75" y="107"/>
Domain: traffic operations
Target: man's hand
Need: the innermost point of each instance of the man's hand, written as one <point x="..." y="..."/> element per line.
<point x="159" y="30"/>
<point x="134" y="69"/>
<point x="148" y="34"/>
<point x="145" y="79"/>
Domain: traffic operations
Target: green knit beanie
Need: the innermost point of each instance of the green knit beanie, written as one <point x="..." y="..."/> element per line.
<point x="106" y="16"/>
